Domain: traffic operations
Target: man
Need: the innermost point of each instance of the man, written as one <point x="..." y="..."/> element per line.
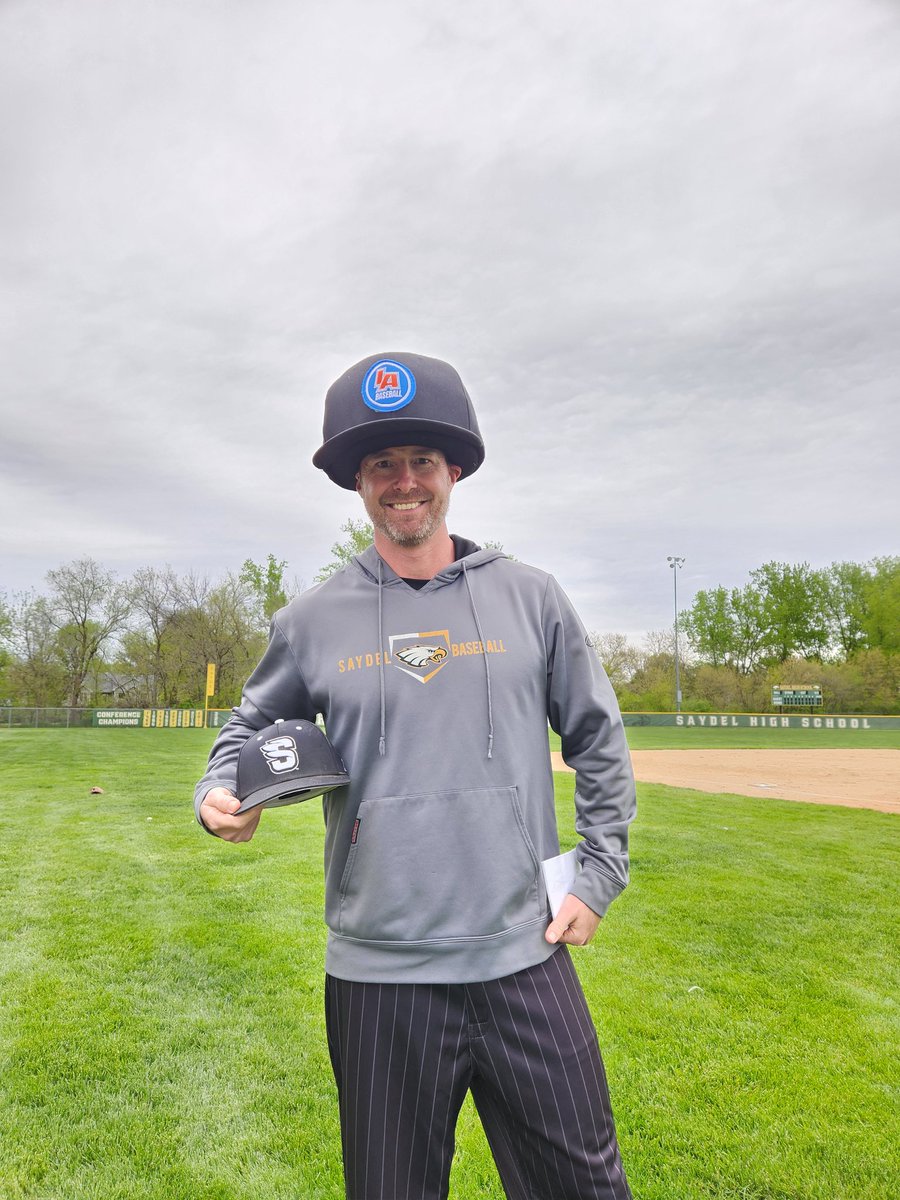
<point x="436" y="666"/>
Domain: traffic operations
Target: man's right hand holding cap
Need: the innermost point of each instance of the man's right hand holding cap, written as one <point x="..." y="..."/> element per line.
<point x="216" y="813"/>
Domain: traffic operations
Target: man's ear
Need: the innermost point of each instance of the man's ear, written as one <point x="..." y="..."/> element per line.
<point x="455" y="471"/>
<point x="358" y="482"/>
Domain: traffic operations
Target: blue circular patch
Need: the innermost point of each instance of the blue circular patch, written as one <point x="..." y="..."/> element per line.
<point x="388" y="385"/>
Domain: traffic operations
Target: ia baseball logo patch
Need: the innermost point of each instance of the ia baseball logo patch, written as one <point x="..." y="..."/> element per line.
<point x="388" y="386"/>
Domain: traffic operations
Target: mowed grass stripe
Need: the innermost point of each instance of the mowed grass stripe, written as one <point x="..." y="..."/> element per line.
<point x="752" y="972"/>
<point x="161" y="1033"/>
<point x="139" y="1035"/>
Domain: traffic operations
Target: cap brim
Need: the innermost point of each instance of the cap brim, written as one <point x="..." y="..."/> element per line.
<point x="274" y="796"/>
<point x="341" y="455"/>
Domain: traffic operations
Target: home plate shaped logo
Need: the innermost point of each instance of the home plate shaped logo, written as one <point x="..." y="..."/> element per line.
<point x="421" y="655"/>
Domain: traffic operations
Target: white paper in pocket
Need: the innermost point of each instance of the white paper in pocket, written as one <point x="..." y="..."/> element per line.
<point x="559" y="875"/>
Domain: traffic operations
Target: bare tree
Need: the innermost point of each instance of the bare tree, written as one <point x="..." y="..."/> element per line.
<point x="87" y="606"/>
<point x="34" y="672"/>
<point x="156" y="597"/>
<point x="6" y="621"/>
<point x="213" y="624"/>
<point x="620" y="659"/>
<point x="659" y="643"/>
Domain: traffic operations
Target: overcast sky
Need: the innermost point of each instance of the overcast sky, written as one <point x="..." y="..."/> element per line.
<point x="660" y="242"/>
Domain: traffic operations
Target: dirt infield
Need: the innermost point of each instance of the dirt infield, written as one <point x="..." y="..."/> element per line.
<point x="851" y="778"/>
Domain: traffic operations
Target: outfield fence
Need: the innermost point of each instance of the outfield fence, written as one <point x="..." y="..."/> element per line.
<point x="214" y="718"/>
<point x="35" y="718"/>
<point x="111" y="718"/>
<point x="761" y="720"/>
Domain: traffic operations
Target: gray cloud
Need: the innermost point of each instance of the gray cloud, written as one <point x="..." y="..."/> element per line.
<point x="661" y="243"/>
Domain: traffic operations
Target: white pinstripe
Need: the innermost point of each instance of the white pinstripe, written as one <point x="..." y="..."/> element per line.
<point x="584" y="1145"/>
<point x="608" y="1127"/>
<point x="522" y="1149"/>
<point x="403" y="1087"/>
<point x="439" y="1042"/>
<point x="577" y="1056"/>
<point x="512" y="1175"/>
<point x="370" y="1110"/>
<point x="387" y="1077"/>
<point x="415" y="1120"/>
<point x="451" y="1112"/>
<point x="535" y="1090"/>
<point x="559" y="1055"/>
<point x="552" y="1088"/>
<point x="360" y="1024"/>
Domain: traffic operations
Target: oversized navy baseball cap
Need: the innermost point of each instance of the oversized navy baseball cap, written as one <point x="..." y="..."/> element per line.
<point x="397" y="400"/>
<point x="286" y="763"/>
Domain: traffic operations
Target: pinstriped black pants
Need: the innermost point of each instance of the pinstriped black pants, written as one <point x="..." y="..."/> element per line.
<point x="404" y="1056"/>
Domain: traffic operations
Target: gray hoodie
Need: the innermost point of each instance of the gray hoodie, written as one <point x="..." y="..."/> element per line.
<point x="438" y="701"/>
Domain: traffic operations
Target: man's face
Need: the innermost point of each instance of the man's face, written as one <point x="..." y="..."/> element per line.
<point x="406" y="491"/>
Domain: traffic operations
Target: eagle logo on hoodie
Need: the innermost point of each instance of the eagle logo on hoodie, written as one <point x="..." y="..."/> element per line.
<point x="418" y="656"/>
<point x="421" y="655"/>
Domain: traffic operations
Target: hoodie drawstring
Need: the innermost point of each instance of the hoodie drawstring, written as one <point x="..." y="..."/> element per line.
<point x="380" y="643"/>
<point x="487" y="665"/>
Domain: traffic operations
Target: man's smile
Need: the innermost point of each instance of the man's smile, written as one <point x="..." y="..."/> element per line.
<point x="406" y="490"/>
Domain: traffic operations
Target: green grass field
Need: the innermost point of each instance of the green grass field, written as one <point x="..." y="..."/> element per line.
<point x="161" y="1034"/>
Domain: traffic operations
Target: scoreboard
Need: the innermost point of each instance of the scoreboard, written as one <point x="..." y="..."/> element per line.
<point x="796" y="697"/>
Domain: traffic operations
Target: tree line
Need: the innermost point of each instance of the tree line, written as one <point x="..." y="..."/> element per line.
<point x="836" y="627"/>
<point x="93" y="639"/>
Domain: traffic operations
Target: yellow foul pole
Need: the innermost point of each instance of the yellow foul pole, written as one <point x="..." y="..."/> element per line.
<point x="210" y="690"/>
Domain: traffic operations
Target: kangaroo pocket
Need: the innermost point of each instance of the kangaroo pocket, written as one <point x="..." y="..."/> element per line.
<point x="438" y="866"/>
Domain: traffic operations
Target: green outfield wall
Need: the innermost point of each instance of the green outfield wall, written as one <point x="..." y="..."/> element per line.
<point x="759" y="721"/>
<point x="215" y="718"/>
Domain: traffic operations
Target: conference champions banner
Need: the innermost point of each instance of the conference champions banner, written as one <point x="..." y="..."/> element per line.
<point x="149" y="718"/>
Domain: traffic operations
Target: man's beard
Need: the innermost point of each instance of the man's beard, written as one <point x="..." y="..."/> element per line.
<point x="404" y="535"/>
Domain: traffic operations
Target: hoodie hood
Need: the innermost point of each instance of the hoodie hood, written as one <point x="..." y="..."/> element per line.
<point x="374" y="567"/>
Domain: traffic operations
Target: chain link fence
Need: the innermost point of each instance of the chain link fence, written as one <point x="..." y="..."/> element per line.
<point x="86" y="718"/>
<point x="42" y="718"/>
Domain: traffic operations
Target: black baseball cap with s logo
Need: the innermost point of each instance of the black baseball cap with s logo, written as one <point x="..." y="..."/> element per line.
<point x="286" y="763"/>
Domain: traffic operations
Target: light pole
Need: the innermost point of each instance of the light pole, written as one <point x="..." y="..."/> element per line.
<point x="676" y="564"/>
